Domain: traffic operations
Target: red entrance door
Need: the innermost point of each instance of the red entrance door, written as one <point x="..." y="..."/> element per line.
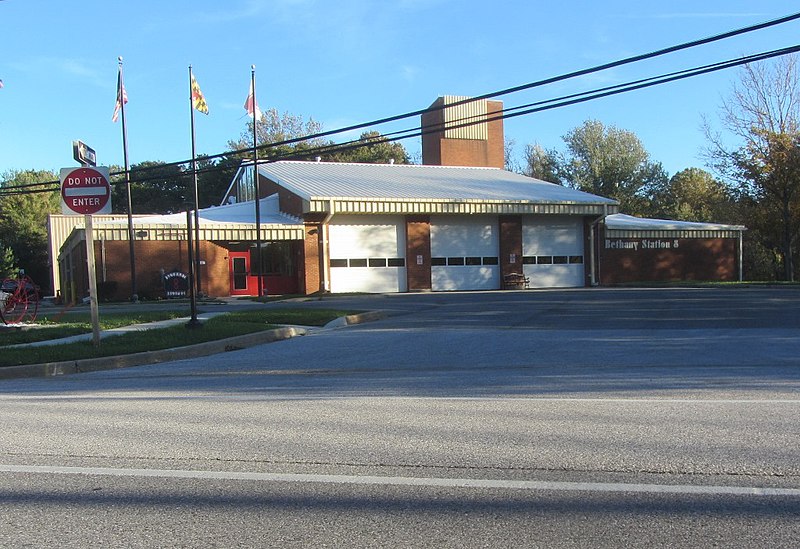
<point x="242" y="282"/>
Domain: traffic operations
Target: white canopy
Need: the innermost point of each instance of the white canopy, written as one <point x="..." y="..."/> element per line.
<point x="219" y="215"/>
<point x="622" y="222"/>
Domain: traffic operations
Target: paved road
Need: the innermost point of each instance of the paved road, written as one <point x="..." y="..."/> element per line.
<point x="574" y="418"/>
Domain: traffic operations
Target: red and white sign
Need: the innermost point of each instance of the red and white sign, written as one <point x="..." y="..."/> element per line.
<point x="85" y="191"/>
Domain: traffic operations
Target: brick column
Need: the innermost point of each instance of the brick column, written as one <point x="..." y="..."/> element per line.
<point x="510" y="244"/>
<point x="310" y="277"/>
<point x="418" y="253"/>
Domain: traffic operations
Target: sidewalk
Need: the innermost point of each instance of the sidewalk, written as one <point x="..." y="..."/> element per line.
<point x="117" y="331"/>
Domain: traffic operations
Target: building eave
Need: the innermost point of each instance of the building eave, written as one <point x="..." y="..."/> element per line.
<point x="345" y="205"/>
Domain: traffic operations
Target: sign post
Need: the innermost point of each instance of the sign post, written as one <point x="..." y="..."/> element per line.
<point x="94" y="310"/>
<point x="87" y="191"/>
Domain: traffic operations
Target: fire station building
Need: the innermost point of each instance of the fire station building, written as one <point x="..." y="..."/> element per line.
<point x="457" y="222"/>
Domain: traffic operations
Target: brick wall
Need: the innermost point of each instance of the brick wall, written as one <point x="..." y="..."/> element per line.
<point x="440" y="151"/>
<point x="701" y="259"/>
<point x="418" y="244"/>
<point x="310" y="274"/>
<point x="151" y="258"/>
<point x="510" y="244"/>
<point x="289" y="202"/>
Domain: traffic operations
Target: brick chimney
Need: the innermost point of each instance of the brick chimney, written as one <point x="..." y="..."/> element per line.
<point x="478" y="145"/>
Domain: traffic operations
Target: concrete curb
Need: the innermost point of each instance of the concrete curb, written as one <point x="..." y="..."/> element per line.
<point x="49" y="369"/>
<point x="349" y="320"/>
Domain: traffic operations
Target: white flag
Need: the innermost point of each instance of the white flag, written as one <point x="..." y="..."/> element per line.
<point x="250" y="104"/>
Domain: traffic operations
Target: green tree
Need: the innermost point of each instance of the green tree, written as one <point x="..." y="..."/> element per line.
<point x="541" y="164"/>
<point x="8" y="263"/>
<point x="156" y="188"/>
<point x="274" y="127"/>
<point x="763" y="112"/>
<point x="371" y="148"/>
<point x="693" y="194"/>
<point x="23" y="221"/>
<point x="213" y="179"/>
<point x="610" y="162"/>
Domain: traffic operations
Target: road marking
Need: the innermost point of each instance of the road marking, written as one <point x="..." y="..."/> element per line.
<point x="282" y="397"/>
<point x="533" y="485"/>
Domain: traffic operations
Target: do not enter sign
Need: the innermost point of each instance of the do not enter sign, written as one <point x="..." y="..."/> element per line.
<point x="85" y="191"/>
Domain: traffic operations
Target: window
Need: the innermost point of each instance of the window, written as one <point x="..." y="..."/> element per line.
<point x="473" y="261"/>
<point x="455" y="260"/>
<point x="276" y="259"/>
<point x="544" y="259"/>
<point x="560" y="259"/>
<point x="438" y="261"/>
<point x="529" y="260"/>
<point x="575" y="259"/>
<point x="374" y="262"/>
<point x="490" y="261"/>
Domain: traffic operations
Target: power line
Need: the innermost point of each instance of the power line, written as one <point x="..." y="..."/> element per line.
<point x="506" y="91"/>
<point x="510" y="112"/>
<point x="506" y="113"/>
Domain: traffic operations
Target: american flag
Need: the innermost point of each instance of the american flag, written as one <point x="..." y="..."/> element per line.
<point x="122" y="97"/>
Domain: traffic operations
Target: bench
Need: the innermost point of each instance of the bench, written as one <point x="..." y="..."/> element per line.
<point x="516" y="281"/>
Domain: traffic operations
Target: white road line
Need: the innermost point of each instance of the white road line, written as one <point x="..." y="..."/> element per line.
<point x="408" y="481"/>
<point x="505" y="399"/>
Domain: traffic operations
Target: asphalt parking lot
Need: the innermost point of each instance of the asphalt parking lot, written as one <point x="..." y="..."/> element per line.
<point x="574" y="418"/>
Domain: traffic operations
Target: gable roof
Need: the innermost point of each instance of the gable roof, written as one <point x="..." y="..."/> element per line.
<point x="404" y="188"/>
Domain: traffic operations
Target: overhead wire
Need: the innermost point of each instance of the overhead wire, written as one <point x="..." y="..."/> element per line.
<point x="505" y="113"/>
<point x="4" y="189"/>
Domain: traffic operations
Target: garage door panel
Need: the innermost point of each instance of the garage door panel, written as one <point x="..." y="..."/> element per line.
<point x="556" y="235"/>
<point x="376" y="236"/>
<point x="554" y="276"/>
<point x="553" y="251"/>
<point x="366" y="279"/>
<point x="468" y="249"/>
<point x="367" y="254"/>
<point x="449" y="278"/>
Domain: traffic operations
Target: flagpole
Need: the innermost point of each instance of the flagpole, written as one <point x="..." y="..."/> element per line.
<point x="131" y="236"/>
<point x="257" y="184"/>
<point x="196" y="197"/>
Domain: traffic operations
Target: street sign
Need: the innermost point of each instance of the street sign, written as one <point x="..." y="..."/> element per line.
<point x="83" y="154"/>
<point x="85" y="191"/>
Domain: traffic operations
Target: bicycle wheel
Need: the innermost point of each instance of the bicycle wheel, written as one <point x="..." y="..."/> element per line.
<point x="3" y="298"/>
<point x="15" y="305"/>
<point x="31" y="292"/>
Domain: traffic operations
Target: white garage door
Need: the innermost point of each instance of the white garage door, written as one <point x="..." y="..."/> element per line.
<point x="367" y="254"/>
<point x="464" y="253"/>
<point x="552" y="251"/>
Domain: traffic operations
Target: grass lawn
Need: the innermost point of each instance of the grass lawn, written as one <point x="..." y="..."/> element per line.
<point x="223" y="326"/>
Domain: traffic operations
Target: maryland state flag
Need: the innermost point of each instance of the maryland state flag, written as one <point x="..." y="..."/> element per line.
<point x="198" y="101"/>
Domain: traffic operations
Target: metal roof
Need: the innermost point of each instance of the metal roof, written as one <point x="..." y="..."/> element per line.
<point x="627" y="226"/>
<point x="240" y="214"/>
<point x="362" y="187"/>
<point x="628" y="222"/>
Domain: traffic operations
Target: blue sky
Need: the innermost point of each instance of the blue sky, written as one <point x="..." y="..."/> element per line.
<point x="349" y="61"/>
